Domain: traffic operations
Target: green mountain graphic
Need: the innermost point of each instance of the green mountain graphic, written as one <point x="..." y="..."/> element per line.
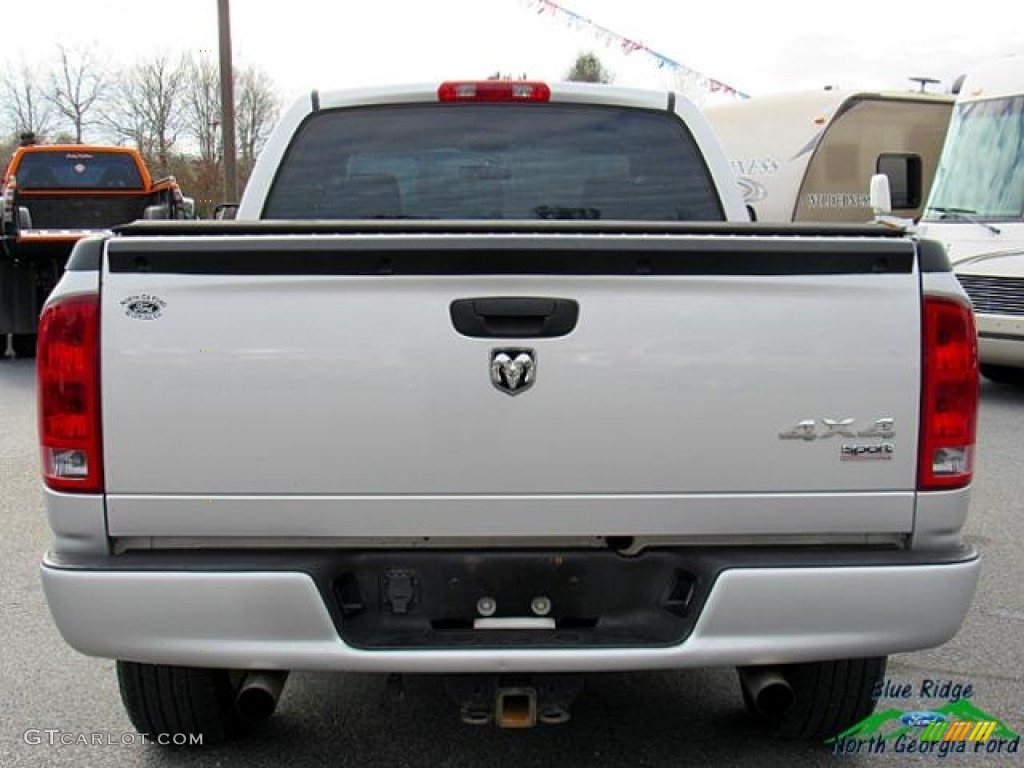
<point x="873" y="725"/>
<point x="870" y="726"/>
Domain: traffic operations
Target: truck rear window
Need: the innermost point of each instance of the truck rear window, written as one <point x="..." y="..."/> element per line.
<point x="494" y="161"/>
<point x="78" y="170"/>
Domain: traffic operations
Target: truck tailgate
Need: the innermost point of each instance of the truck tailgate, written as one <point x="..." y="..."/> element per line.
<point x="281" y="385"/>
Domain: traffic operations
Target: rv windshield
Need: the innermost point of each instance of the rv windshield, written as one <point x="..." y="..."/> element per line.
<point x="981" y="173"/>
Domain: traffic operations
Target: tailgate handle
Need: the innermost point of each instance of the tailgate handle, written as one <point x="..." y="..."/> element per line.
<point x="514" y="317"/>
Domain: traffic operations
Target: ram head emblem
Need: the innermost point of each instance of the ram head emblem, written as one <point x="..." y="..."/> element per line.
<point x="513" y="370"/>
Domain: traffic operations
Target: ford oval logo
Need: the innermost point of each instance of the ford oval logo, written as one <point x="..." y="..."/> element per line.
<point x="922" y="718"/>
<point x="143" y="308"/>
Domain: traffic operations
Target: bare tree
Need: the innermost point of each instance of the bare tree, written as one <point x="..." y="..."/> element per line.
<point x="201" y="111"/>
<point x="256" y="109"/>
<point x="25" y="103"/>
<point x="588" y="69"/>
<point x="77" y="85"/>
<point x="148" y="108"/>
<point x="7" y="147"/>
<point x="126" y="121"/>
<point x="201" y="174"/>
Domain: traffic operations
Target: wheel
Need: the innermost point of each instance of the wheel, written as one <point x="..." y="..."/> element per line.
<point x="828" y="697"/>
<point x="180" y="700"/>
<point x="1003" y="374"/>
<point x="24" y="344"/>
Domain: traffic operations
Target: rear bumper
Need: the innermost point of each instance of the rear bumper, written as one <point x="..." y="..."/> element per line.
<point x="1001" y="339"/>
<point x="278" y="618"/>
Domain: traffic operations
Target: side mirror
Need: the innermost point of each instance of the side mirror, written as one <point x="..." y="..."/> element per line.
<point x="225" y="211"/>
<point x="24" y="218"/>
<point x="881" y="197"/>
<point x="156" y="212"/>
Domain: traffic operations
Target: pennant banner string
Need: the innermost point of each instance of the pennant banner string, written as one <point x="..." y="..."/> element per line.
<point x="688" y="77"/>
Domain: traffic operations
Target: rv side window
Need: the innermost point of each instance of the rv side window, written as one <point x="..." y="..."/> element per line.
<point x="904" y="172"/>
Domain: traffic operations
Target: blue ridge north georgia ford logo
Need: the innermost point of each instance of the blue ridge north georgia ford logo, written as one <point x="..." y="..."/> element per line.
<point x="143" y="307"/>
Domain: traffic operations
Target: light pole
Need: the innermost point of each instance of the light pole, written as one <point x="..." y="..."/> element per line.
<point x="227" y="103"/>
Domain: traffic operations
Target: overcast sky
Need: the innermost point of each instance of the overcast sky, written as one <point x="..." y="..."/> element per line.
<point x="756" y="48"/>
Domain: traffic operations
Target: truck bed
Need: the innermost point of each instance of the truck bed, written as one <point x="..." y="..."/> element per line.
<point x="84" y="211"/>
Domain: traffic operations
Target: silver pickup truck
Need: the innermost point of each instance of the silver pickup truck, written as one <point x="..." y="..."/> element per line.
<point x="495" y="380"/>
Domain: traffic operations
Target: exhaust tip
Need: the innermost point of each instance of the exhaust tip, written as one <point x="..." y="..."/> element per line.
<point x="257" y="697"/>
<point x="775" y="700"/>
<point x="767" y="690"/>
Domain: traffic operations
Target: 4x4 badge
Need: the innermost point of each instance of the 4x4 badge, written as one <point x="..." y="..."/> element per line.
<point x="809" y="429"/>
<point x="513" y="370"/>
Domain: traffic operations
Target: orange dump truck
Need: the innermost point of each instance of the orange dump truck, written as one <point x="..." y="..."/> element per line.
<point x="53" y="195"/>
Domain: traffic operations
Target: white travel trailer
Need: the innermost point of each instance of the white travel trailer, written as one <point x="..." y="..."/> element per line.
<point x="976" y="208"/>
<point x="810" y="156"/>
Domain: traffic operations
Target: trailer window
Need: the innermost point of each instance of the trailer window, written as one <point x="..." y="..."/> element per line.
<point x="494" y="161"/>
<point x="904" y="172"/>
<point x="78" y="170"/>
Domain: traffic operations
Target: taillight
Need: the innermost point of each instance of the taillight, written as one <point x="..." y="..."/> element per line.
<point x="68" y="384"/>
<point x="493" y="90"/>
<point x="949" y="404"/>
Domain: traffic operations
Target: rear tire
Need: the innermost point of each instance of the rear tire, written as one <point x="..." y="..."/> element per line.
<point x="24" y="345"/>
<point x="164" y="701"/>
<point x="830" y="696"/>
<point x="1003" y="374"/>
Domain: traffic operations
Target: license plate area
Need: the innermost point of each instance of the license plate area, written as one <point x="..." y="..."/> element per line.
<point x="516" y="599"/>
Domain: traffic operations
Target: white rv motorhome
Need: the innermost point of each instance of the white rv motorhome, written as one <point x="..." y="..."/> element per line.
<point x="810" y="156"/>
<point x="976" y="208"/>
